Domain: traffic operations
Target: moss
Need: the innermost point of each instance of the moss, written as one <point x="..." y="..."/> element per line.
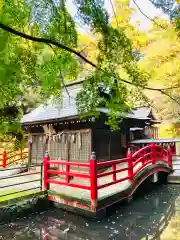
<point x="15" y="197"/>
<point x="69" y="198"/>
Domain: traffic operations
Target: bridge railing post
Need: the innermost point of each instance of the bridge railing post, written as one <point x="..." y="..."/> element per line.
<point x="153" y="153"/>
<point x="4" y="162"/>
<point x="67" y="173"/>
<point x="130" y="166"/>
<point x="114" y="174"/>
<point x="46" y="167"/>
<point x="169" y="156"/>
<point x="93" y="181"/>
<point x="128" y="153"/>
<point x="143" y="157"/>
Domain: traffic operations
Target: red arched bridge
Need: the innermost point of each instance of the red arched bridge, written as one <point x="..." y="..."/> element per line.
<point x="96" y="185"/>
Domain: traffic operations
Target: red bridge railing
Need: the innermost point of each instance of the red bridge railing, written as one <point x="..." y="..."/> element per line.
<point x="12" y="157"/>
<point x="170" y="145"/>
<point x="120" y="170"/>
<point x="3" y="159"/>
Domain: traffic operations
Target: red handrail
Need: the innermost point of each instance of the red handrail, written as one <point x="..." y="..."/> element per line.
<point x="109" y="163"/>
<point x="128" y="168"/>
<point x="54" y="162"/>
<point x="6" y="156"/>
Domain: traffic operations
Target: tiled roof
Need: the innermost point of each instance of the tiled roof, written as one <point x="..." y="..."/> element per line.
<point x="137" y="113"/>
<point x="67" y="108"/>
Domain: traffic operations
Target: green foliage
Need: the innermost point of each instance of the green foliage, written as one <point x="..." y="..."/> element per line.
<point x="115" y="53"/>
<point x="27" y="66"/>
<point x="44" y="68"/>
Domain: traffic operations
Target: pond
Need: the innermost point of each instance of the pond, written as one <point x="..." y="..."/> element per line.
<point x="154" y="213"/>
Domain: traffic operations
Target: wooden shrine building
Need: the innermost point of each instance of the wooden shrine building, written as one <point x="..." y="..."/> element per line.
<point x="58" y="129"/>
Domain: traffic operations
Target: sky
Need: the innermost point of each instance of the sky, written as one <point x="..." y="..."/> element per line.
<point x="145" y="6"/>
<point x="149" y="9"/>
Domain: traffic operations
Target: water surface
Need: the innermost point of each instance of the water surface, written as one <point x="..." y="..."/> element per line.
<point x="153" y="214"/>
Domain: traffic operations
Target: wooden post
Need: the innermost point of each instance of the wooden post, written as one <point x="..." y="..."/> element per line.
<point x="174" y="149"/>
<point x="67" y="173"/>
<point x="4" y="159"/>
<point x="130" y="166"/>
<point x="93" y="183"/>
<point x="20" y="154"/>
<point x="29" y="155"/>
<point x="46" y="167"/>
<point x="171" y="147"/>
<point x="29" y="151"/>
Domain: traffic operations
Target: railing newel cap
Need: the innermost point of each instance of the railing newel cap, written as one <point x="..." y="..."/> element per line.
<point x="46" y="154"/>
<point x="93" y="156"/>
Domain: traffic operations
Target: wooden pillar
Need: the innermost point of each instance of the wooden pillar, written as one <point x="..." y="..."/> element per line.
<point x="155" y="178"/>
<point x="29" y="151"/>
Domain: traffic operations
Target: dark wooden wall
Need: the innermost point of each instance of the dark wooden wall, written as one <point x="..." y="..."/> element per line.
<point x="107" y="144"/>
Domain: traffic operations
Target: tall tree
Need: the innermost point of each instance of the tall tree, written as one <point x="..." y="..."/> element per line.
<point x="162" y="63"/>
<point x="122" y="19"/>
<point x="40" y="41"/>
<point x="26" y="64"/>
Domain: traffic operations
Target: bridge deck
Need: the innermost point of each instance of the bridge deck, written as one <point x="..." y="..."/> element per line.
<point x="102" y="193"/>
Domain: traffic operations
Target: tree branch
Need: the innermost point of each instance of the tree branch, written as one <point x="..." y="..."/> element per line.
<point x="114" y="12"/>
<point x="168" y="95"/>
<point x="59" y="45"/>
<point x="149" y="88"/>
<point x="64" y="85"/>
<point x="151" y="19"/>
<point x="44" y="40"/>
